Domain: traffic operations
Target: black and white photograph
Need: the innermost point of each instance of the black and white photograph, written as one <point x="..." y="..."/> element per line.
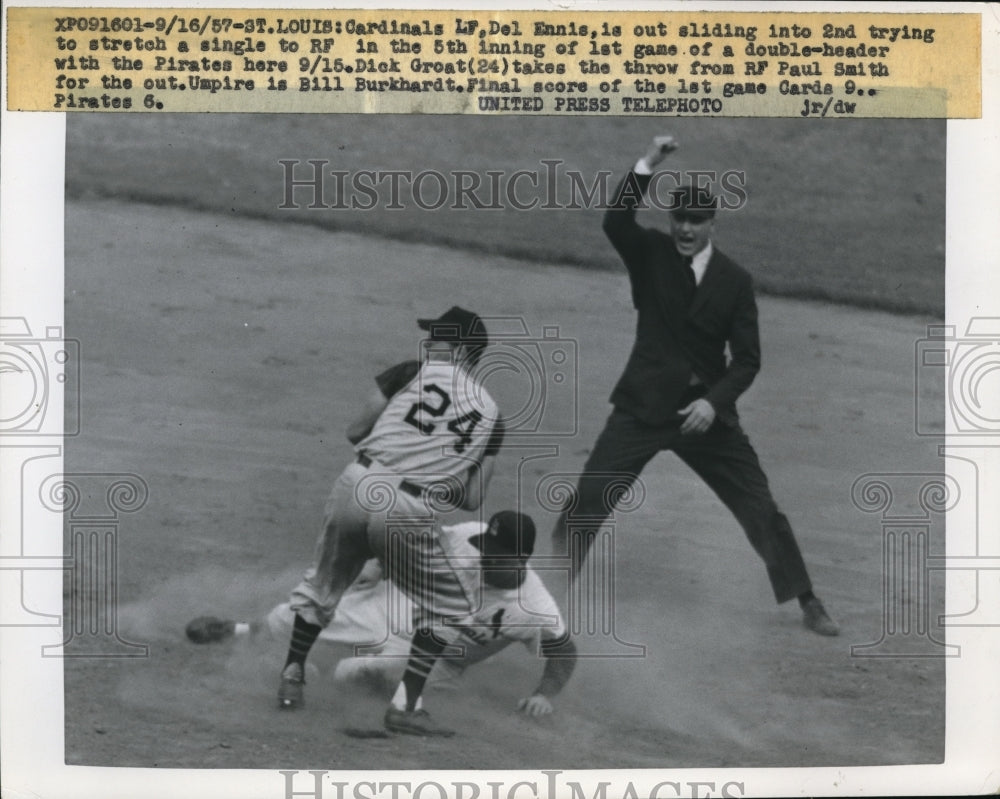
<point x="590" y="448"/>
<point x="232" y="333"/>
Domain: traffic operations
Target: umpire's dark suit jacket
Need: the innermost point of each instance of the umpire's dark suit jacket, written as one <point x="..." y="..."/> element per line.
<point x="675" y="339"/>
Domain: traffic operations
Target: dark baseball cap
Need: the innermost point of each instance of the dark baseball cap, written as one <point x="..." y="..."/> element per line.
<point x="693" y="202"/>
<point x="456" y="324"/>
<point x="508" y="533"/>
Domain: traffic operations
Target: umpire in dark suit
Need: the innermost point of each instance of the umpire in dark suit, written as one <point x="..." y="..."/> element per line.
<point x="679" y="391"/>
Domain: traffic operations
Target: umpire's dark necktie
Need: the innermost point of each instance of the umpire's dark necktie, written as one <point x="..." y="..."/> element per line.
<point x="689" y="276"/>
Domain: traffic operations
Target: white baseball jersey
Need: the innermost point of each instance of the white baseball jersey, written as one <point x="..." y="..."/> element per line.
<point x="442" y="576"/>
<point x="527" y="614"/>
<point x="437" y="422"/>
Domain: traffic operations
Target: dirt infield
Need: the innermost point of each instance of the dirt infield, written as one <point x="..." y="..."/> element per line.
<point x="223" y="357"/>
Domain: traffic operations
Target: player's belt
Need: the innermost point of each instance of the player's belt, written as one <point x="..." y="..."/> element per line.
<point x="405" y="485"/>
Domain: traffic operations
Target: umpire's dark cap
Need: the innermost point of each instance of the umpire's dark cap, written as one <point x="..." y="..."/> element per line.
<point x="693" y="202"/>
<point x="508" y="533"/>
<point x="456" y="324"/>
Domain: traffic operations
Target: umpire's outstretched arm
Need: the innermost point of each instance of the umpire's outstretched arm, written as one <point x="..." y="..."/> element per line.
<point x="619" y="225"/>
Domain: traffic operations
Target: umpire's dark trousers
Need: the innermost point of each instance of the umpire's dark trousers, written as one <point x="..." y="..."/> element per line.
<point x="722" y="457"/>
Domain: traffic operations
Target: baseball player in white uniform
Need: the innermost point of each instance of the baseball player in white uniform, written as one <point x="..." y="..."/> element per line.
<point x="474" y="595"/>
<point x="426" y="441"/>
<point x="472" y="590"/>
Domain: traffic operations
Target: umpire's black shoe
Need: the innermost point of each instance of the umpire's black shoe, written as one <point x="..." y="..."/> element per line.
<point x="290" y="692"/>
<point x="815" y="617"/>
<point x="414" y="722"/>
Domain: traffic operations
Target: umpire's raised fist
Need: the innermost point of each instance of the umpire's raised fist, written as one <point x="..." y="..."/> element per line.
<point x="660" y="148"/>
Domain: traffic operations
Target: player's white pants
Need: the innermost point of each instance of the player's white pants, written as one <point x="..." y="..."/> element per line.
<point x="361" y="504"/>
<point x="362" y="637"/>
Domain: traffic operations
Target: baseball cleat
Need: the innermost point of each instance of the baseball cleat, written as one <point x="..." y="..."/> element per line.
<point x="414" y="722"/>
<point x="290" y="693"/>
<point x="209" y="629"/>
<point x="815" y="617"/>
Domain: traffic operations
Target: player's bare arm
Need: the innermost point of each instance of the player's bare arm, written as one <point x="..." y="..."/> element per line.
<point x="560" y="661"/>
<point x="369" y="414"/>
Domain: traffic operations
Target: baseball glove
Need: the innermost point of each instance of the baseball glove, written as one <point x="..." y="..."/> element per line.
<point x="209" y="629"/>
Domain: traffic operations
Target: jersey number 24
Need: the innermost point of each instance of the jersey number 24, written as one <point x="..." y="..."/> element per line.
<point x="435" y="406"/>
